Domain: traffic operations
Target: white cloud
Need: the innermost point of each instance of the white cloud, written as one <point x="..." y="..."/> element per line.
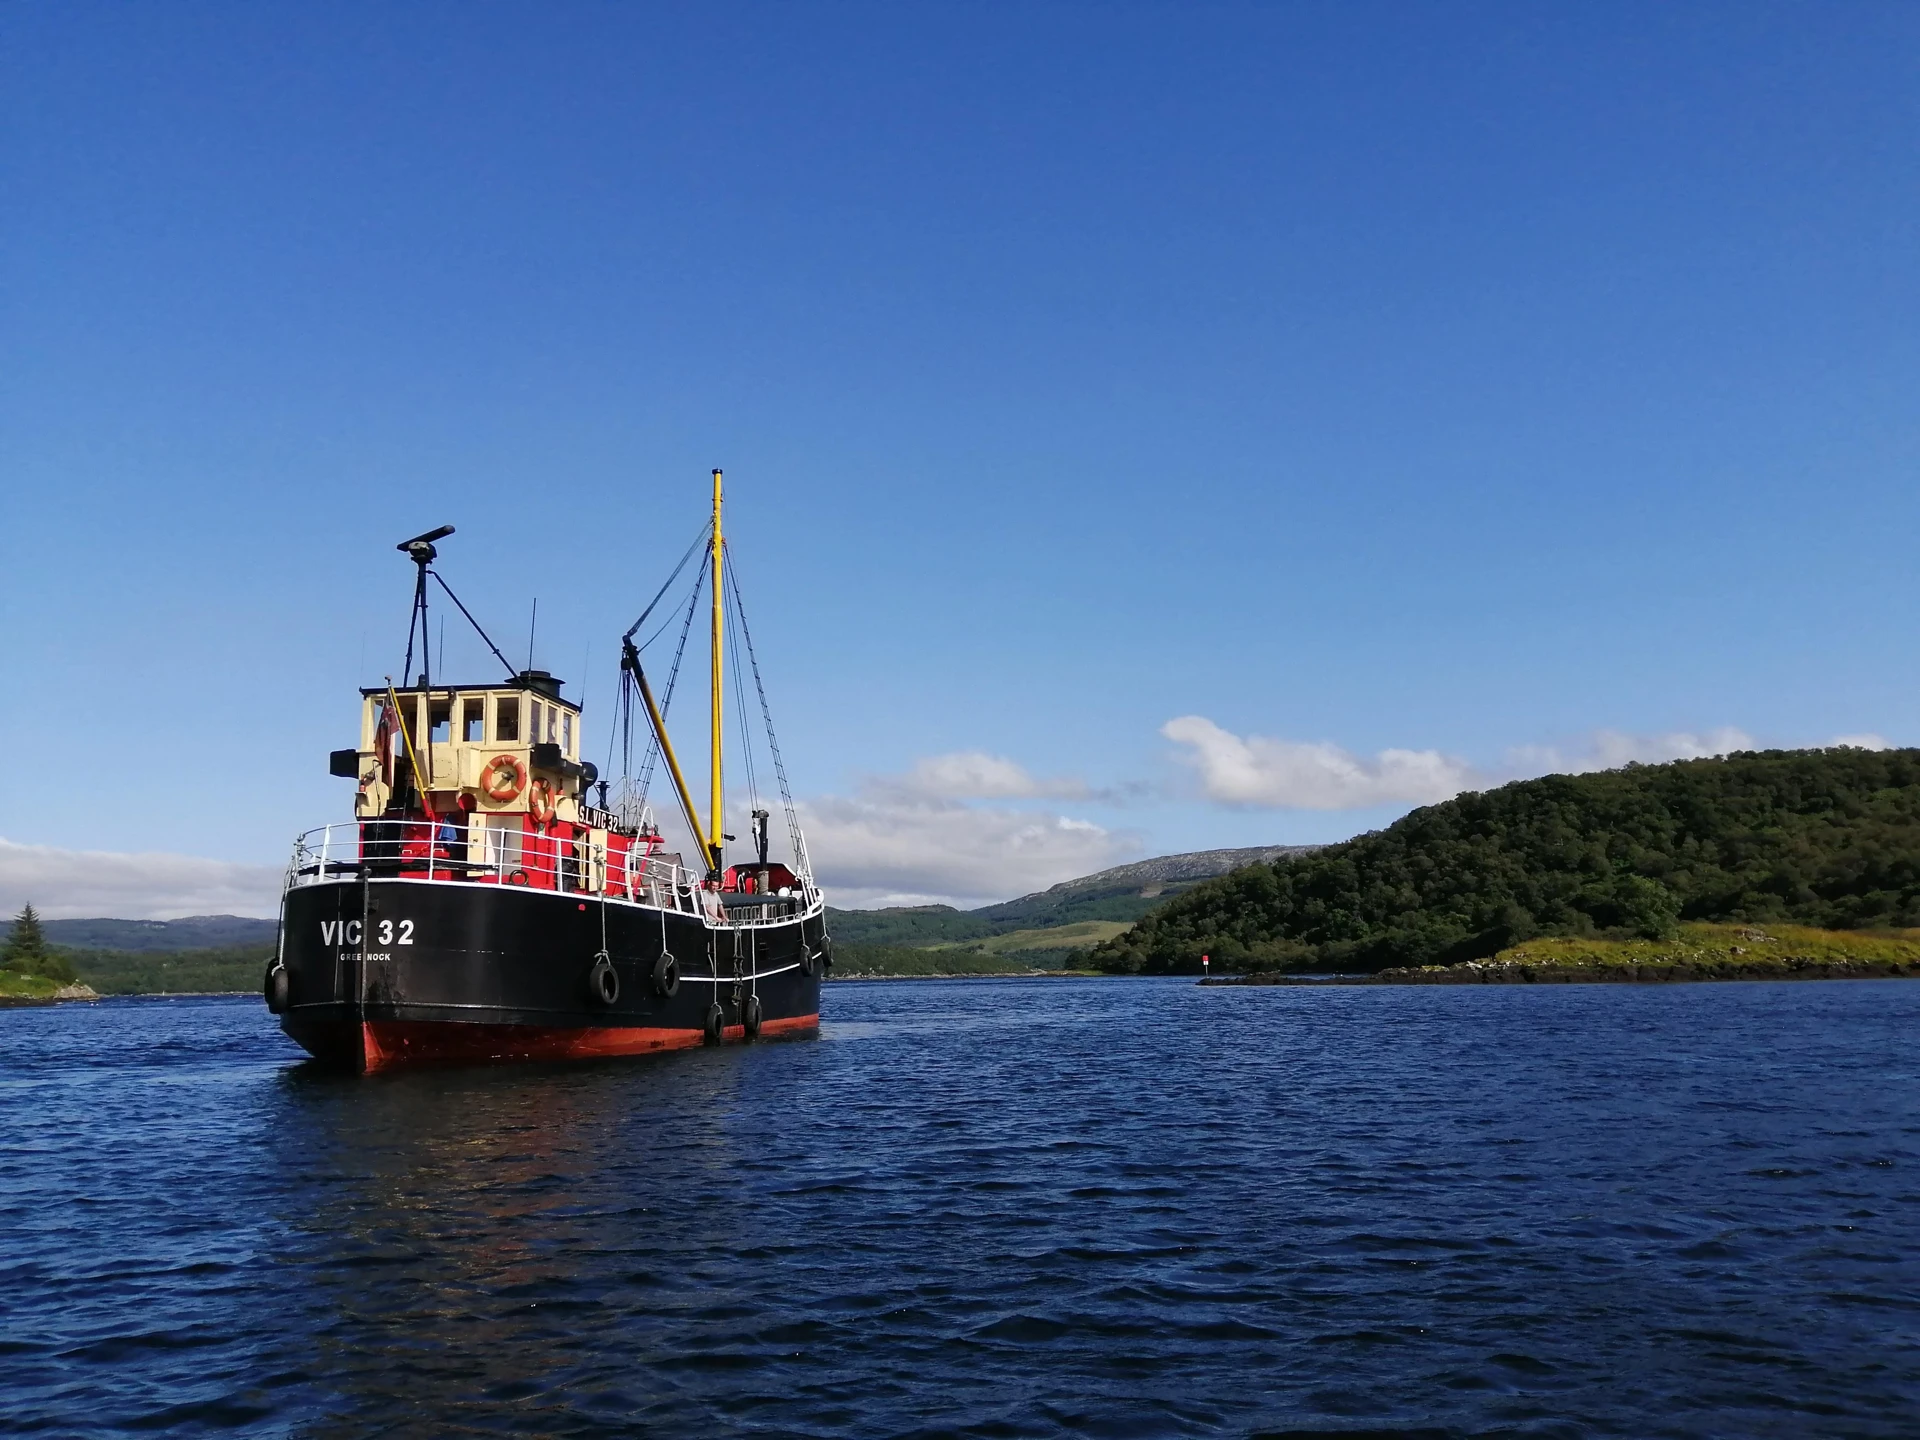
<point x="67" y="884"/>
<point x="975" y="775"/>
<point x="1610" y="749"/>
<point x="881" y="848"/>
<point x="1862" y="742"/>
<point x="1259" y="772"/>
<point x="919" y="838"/>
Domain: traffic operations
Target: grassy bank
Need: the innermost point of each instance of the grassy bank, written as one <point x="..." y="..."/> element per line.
<point x="1696" y="952"/>
<point x="15" y="986"/>
<point x="1053" y="942"/>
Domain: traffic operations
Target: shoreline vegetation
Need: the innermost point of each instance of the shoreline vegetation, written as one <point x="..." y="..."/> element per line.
<point x="31" y="971"/>
<point x="905" y="962"/>
<point x="979" y="975"/>
<point x="1824" y="839"/>
<point x="17" y="989"/>
<point x="1045" y="934"/>
<point x="236" y="970"/>
<point x="1696" y="953"/>
<point x="1801" y="864"/>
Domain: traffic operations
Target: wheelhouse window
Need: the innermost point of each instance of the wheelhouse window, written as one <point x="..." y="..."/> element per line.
<point x="440" y="722"/>
<point x="473" y="720"/>
<point x="533" y="733"/>
<point x="506" y="718"/>
<point x="566" y="733"/>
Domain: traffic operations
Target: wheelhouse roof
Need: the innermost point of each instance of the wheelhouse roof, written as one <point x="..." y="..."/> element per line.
<point x="537" y="682"/>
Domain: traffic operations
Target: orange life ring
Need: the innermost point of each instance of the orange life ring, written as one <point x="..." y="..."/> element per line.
<point x="540" y="802"/>
<point x="503" y="778"/>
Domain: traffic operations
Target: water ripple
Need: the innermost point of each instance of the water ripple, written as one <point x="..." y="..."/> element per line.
<point x="987" y="1209"/>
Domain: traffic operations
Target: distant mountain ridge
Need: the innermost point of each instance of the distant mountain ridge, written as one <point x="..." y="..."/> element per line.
<point x="1123" y="893"/>
<point x="1150" y="878"/>
<point x="191" y="932"/>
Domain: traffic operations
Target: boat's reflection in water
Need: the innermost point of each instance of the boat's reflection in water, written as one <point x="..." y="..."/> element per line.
<point x="516" y="1234"/>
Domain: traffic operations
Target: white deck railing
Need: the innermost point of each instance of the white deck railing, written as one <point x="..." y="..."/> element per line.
<point x="411" y="850"/>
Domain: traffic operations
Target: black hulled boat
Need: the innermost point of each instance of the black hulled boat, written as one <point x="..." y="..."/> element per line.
<point x="483" y="906"/>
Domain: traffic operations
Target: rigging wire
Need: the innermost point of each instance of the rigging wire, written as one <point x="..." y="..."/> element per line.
<point x="673" y="676"/>
<point x="766" y="714"/>
<point x="511" y="673"/>
<point x="693" y="549"/>
<point x="741" y="636"/>
<point x="621" y="730"/>
<point x="740" y="709"/>
<point x="659" y="630"/>
<point x="413" y="620"/>
<point x="629" y="685"/>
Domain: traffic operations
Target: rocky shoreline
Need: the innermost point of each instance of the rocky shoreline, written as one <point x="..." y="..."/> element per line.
<point x="975" y="975"/>
<point x="59" y="997"/>
<point x="1486" y="972"/>
<point x="1695" y="952"/>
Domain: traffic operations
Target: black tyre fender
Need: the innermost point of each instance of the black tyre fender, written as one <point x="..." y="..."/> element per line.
<point x="274" y="987"/>
<point x="807" y="958"/>
<point x="750" y="1016"/>
<point x="666" y="975"/>
<point x="603" y="981"/>
<point x="716" y="1023"/>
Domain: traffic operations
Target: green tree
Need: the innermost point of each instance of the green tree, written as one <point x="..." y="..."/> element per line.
<point x="26" y="943"/>
<point x="26" y="950"/>
<point x="1646" y="908"/>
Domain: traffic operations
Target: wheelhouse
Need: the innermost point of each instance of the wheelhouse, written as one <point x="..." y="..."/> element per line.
<point x="483" y="783"/>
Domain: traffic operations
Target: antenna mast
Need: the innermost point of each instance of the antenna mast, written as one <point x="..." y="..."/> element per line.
<point x="420" y="550"/>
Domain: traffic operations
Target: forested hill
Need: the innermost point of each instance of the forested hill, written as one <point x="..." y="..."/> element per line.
<point x="1122" y="894"/>
<point x="1829" y="838"/>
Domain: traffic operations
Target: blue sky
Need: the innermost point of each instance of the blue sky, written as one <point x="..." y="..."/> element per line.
<point x="1139" y="420"/>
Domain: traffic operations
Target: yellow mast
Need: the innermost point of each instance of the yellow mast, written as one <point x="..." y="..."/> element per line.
<point x="715" y="839"/>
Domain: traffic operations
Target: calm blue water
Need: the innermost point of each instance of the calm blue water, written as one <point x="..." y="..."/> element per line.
<point x="987" y="1208"/>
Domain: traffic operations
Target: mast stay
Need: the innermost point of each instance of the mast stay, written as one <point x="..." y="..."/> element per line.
<point x="766" y="716"/>
<point x="420" y="550"/>
<point x="726" y="611"/>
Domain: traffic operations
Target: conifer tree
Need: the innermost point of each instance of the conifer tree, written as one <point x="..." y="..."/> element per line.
<point x="26" y="950"/>
<point x="26" y="943"/>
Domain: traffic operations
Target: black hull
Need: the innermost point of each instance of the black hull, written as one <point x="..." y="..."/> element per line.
<point x="463" y="972"/>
